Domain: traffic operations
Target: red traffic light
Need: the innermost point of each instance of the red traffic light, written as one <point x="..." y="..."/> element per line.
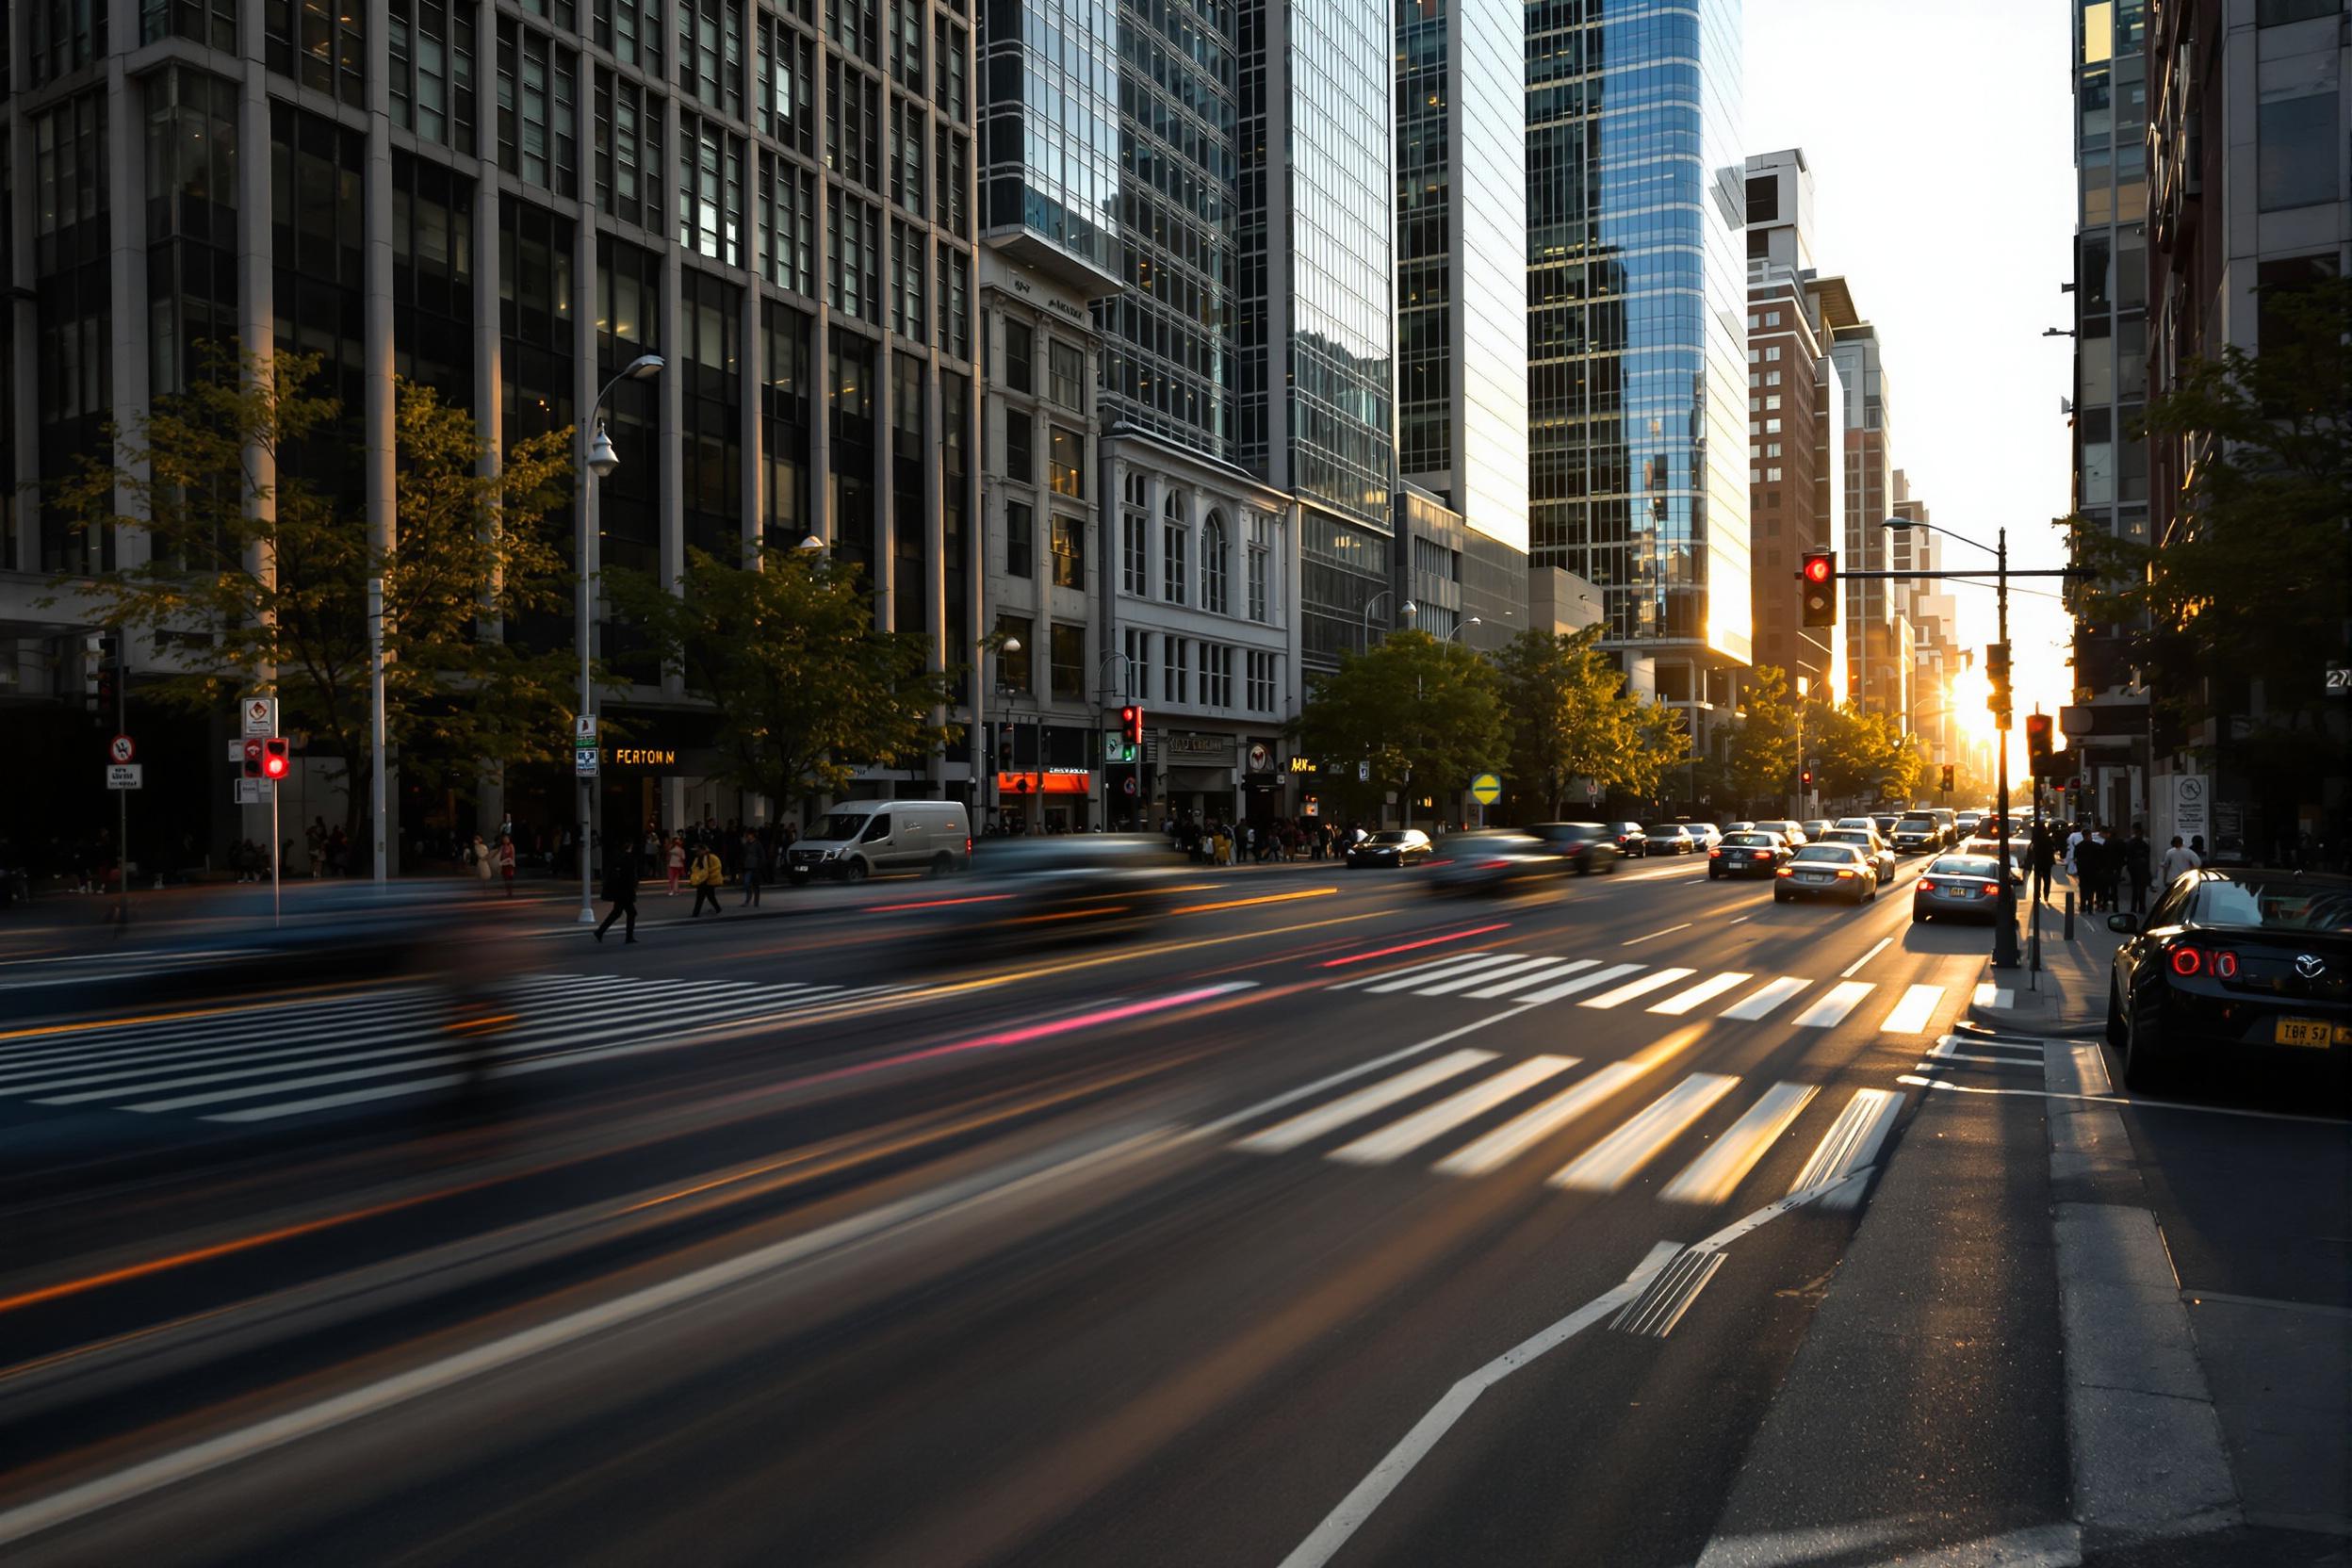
<point x="2038" y="727"/>
<point x="1131" y="724"/>
<point x="275" y="762"/>
<point x="1820" y="568"/>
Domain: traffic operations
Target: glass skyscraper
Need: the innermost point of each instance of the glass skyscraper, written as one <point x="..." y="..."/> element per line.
<point x="1637" y="349"/>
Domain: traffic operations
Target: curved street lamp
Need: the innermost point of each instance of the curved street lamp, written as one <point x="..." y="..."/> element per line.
<point x="601" y="461"/>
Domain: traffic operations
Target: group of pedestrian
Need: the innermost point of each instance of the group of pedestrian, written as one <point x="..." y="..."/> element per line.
<point x="2099" y="863"/>
<point x="701" y="858"/>
<point x="1214" y="842"/>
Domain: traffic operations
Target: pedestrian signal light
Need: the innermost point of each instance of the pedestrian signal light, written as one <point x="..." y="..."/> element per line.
<point x="1131" y="725"/>
<point x="1819" y="574"/>
<point x="276" y="760"/>
<point x="253" y="759"/>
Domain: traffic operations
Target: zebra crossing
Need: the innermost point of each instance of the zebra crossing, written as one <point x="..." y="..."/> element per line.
<point x="1671" y="990"/>
<point x="1393" y="1119"/>
<point x="269" y="1062"/>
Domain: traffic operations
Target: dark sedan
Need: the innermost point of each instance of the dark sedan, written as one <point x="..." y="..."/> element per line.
<point x="1588" y="846"/>
<point x="1628" y="838"/>
<point x="1669" y="837"/>
<point x="1826" y="871"/>
<point x="1748" y="855"/>
<point x="1396" y="847"/>
<point x="1497" y="863"/>
<point x="2235" y="965"/>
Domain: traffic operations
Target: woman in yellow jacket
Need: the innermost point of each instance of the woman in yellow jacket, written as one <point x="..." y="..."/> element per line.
<point x="706" y="876"/>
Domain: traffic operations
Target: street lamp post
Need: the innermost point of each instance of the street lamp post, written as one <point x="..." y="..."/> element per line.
<point x="1804" y="690"/>
<point x="601" y="461"/>
<point x="1408" y="607"/>
<point x="1000" y="646"/>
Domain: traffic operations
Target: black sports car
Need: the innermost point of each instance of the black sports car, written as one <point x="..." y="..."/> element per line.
<point x="1396" y="847"/>
<point x="2232" y="965"/>
<point x="1751" y="854"/>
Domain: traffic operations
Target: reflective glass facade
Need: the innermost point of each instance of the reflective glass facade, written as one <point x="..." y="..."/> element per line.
<point x="1050" y="132"/>
<point x="1636" y="305"/>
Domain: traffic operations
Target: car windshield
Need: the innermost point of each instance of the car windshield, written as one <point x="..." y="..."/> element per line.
<point x="1964" y="865"/>
<point x="1392" y="837"/>
<point x="1915" y="824"/>
<point x="2293" y="904"/>
<point x="1848" y="836"/>
<point x="1751" y="841"/>
<point x="1662" y="830"/>
<point x="843" y="825"/>
<point x="1843" y="855"/>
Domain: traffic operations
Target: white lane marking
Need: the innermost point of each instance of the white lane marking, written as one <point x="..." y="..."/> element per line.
<point x="1846" y="972"/>
<point x="1631" y="988"/>
<point x="1853" y="1140"/>
<point x="42" y="1514"/>
<point x="2135" y="1101"/>
<point x="1427" y="969"/>
<point x="1915" y="1012"/>
<point x="1582" y="983"/>
<point x="1761" y="1000"/>
<point x="1375" y="1097"/>
<point x="1655" y="935"/>
<point x="1711" y="1177"/>
<point x="1368" y="1494"/>
<point x="1462" y="982"/>
<point x="1989" y="995"/>
<point x="1706" y="990"/>
<point x="1402" y="1138"/>
<point x="1619" y="1157"/>
<point x="1461" y="966"/>
<point x="1533" y="977"/>
<point x="1333" y="1080"/>
<point x="1830" y="1010"/>
<point x="1530" y="1127"/>
<point x="1742" y="920"/>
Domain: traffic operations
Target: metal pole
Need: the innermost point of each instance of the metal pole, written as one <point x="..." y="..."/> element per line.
<point x="277" y="905"/>
<point x="2005" y="930"/>
<point x="121" y="797"/>
<point x="587" y="554"/>
<point x="375" y="682"/>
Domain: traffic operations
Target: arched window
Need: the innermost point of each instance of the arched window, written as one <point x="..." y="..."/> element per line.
<point x="1213" y="559"/>
<point x="1174" y="533"/>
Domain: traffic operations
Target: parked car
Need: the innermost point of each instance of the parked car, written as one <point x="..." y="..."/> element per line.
<point x="859" y="838"/>
<point x="1407" y="846"/>
<point x="1826" y="871"/>
<point x="1866" y="839"/>
<point x="1587" y="846"/>
<point x="2240" y="964"/>
<point x="1748" y="853"/>
<point x="1669" y="837"/>
<point x="1707" y="833"/>
<point x="1965" y="884"/>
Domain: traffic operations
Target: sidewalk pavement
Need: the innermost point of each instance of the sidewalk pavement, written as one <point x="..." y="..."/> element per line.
<point x="2067" y="994"/>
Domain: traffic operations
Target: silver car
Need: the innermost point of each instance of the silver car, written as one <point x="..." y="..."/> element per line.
<point x="1966" y="885"/>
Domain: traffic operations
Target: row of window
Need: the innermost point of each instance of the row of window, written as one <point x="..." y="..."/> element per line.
<point x="1169" y="677"/>
<point x="1175" y="551"/>
<point x="1067" y="542"/>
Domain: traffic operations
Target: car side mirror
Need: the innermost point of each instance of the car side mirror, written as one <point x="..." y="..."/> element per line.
<point x="2128" y="925"/>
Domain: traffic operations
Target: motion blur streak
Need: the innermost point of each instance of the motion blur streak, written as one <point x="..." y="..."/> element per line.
<point x="1407" y="947"/>
<point x="1036" y="1030"/>
<point x="1245" y="903"/>
<point x="939" y="903"/>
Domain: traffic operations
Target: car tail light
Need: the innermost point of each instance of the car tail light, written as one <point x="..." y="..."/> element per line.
<point x="1493" y="865"/>
<point x="1785" y="872"/>
<point x="1847" y="871"/>
<point x="1763" y="854"/>
<point x="2226" y="965"/>
<point x="1992" y="887"/>
<point x="2187" y="960"/>
<point x="1714" y="854"/>
<point x="967" y="843"/>
<point x="1927" y="884"/>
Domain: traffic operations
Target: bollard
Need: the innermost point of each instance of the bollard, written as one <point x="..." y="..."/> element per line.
<point x="2069" y="914"/>
<point x="2033" y="936"/>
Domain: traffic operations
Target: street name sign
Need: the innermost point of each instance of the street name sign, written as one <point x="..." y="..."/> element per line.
<point x="125" y="776"/>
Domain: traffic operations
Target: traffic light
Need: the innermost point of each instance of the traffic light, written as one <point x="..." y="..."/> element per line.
<point x="1820" y="572"/>
<point x="1948" y="778"/>
<point x="253" y="752"/>
<point x="1004" y="748"/>
<point x="1997" y="672"/>
<point x="1806" y="778"/>
<point x="276" y="760"/>
<point x="2037" y="744"/>
<point x="1131" y="725"/>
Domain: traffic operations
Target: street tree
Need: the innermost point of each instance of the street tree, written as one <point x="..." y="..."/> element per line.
<point x="2252" y="587"/>
<point x="1425" y="714"/>
<point x="1763" y="754"/>
<point x="803" y="690"/>
<point x="252" y="586"/>
<point x="1573" y="718"/>
<point x="1863" y="754"/>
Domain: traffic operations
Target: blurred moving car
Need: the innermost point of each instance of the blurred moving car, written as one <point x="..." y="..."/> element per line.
<point x="1669" y="837"/>
<point x="1968" y="884"/>
<point x="1749" y="854"/>
<point x="1738" y="826"/>
<point x="1631" y="840"/>
<point x="1966" y="821"/>
<point x="1052" y="888"/>
<point x="1794" y="832"/>
<point x="2240" y="964"/>
<point x="1857" y="821"/>
<point x="1866" y="839"/>
<point x="1707" y="833"/>
<point x="1394" y="847"/>
<point x="1588" y="846"/>
<point x="1497" y="862"/>
<point x="1826" y="871"/>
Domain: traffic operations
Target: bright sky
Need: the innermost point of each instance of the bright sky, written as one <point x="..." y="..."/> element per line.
<point x="1950" y="211"/>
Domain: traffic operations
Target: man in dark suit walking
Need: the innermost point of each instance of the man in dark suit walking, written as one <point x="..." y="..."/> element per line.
<point x="620" y="886"/>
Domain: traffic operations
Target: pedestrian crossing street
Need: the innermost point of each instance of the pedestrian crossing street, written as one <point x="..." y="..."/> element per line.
<point x="1527" y="980"/>
<point x="266" y="1063"/>
<point x="1488" y="1112"/>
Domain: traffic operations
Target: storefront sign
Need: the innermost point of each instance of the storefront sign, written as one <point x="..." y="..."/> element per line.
<point x="642" y="756"/>
<point x="1053" y="782"/>
<point x="1202" y="751"/>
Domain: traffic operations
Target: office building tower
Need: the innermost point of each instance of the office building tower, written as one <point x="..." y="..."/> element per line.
<point x="1636" y="295"/>
<point x="1877" y="666"/>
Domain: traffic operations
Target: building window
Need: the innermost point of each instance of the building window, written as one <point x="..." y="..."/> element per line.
<point x="628" y="321"/>
<point x="906" y="18"/>
<point x="1138" y="685"/>
<point x="949" y="40"/>
<point x="711" y="51"/>
<point x="1135" y="552"/>
<point x="1212" y="567"/>
<point x="1021" y="460"/>
<point x="951" y="164"/>
<point x="856" y="25"/>
<point x="1065" y="462"/>
<point x="1216" y="675"/>
<point x="853" y="123"/>
<point x="1070" y="551"/>
<point x="710" y="189"/>
<point x="432" y="289"/>
<point x="788" y="223"/>
<point x="430" y="47"/>
<point x="1012" y="663"/>
<point x="1261" y="557"/>
<point x="954" y="275"/>
<point x="1019" y="348"/>
<point x="1020" y="540"/>
<point x="212" y="22"/>
<point x="909" y="249"/>
<point x="787" y="86"/>
<point x="1260" y="672"/>
<point x="629" y="151"/>
<point x="630" y="32"/>
<point x="1066" y="375"/>
<point x="1175" y="537"/>
<point x="853" y="272"/>
<point x="710" y="324"/>
<point x="784" y="424"/>
<point x="316" y="43"/>
<point x="1069" y="662"/>
<point x="2299" y="151"/>
<point x="908" y="137"/>
<point x="538" y="129"/>
<point x="1175" y="673"/>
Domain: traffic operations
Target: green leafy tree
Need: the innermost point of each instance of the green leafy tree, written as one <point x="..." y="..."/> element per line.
<point x="806" y="691"/>
<point x="1427" y="715"/>
<point x="2253" y="585"/>
<point x="1763" y="752"/>
<point x="1570" y="718"/>
<point x="1862" y="753"/>
<point x="1660" y="743"/>
<point x="263" y="587"/>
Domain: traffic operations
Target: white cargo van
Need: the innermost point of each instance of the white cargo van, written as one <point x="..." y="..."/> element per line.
<point x="859" y="839"/>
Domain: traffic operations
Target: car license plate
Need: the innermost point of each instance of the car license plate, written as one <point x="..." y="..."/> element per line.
<point x="2308" y="1030"/>
<point x="1816" y="877"/>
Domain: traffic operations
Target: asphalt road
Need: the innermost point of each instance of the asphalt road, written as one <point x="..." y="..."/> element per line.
<point x="1323" y="1220"/>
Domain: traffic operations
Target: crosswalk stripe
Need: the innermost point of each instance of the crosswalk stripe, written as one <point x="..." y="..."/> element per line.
<point x="1712" y="1177"/>
<point x="1706" y="991"/>
<point x="1642" y="987"/>
<point x="1761" y="1002"/>
<point x="1402" y="1138"/>
<point x="1461" y="966"/>
<point x="1374" y="1097"/>
<point x="1915" y="1012"/>
<point x="1991" y="995"/>
<point x="1533" y="977"/>
<point x="1422" y="967"/>
<point x="1523" y="1132"/>
<point x="337" y="1102"/>
<point x="1853" y="1140"/>
<point x="1582" y="983"/>
<point x="1447" y="988"/>
<point x="1842" y="999"/>
<point x="1617" y="1158"/>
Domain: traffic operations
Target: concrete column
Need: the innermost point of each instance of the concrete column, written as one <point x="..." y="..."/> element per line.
<point x="489" y="344"/>
<point x="670" y="398"/>
<point x="126" y="243"/>
<point x="21" y="550"/>
<point x="256" y="285"/>
<point x="885" y="583"/>
<point x="381" y="484"/>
